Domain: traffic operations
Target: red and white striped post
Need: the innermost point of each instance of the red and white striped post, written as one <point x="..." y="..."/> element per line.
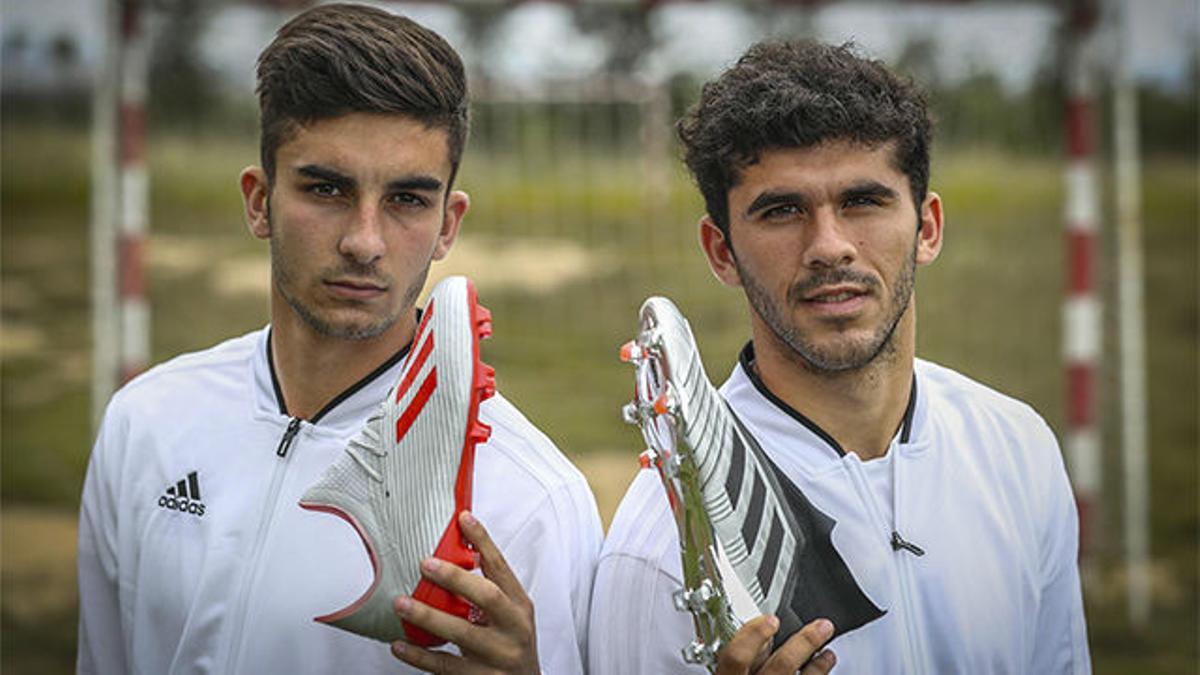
<point x="1082" y="308"/>
<point x="134" y="309"/>
<point x="120" y="313"/>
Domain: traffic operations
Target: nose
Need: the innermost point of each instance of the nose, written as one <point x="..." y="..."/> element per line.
<point x="827" y="243"/>
<point x="362" y="240"/>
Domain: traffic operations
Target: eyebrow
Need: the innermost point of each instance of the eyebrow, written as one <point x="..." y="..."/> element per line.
<point x="771" y="198"/>
<point x="418" y="183"/>
<point x="423" y="183"/>
<point x="318" y="172"/>
<point x="870" y="188"/>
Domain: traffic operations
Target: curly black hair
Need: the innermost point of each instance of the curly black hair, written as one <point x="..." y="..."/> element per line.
<point x="799" y="94"/>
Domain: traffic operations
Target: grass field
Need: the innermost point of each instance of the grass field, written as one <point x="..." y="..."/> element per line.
<point x="602" y="232"/>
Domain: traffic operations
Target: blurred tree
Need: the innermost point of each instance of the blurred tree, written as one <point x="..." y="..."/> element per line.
<point x="64" y="52"/>
<point x="918" y="60"/>
<point x="624" y="27"/>
<point x="1170" y="116"/>
<point x="975" y="112"/>
<point x="64" y="60"/>
<point x="16" y="46"/>
<point x="183" y="89"/>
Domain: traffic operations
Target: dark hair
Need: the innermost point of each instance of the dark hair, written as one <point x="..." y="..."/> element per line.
<point x="337" y="59"/>
<point x="799" y="94"/>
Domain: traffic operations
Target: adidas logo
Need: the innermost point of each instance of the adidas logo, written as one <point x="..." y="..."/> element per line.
<point x="184" y="496"/>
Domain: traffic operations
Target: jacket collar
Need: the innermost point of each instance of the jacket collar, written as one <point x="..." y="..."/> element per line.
<point x="745" y="384"/>
<point x="347" y="409"/>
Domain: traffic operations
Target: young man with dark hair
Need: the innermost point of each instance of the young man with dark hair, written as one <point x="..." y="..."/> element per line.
<point x="194" y="554"/>
<point x="949" y="501"/>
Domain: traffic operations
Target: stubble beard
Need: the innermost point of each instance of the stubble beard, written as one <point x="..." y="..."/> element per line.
<point x="343" y="330"/>
<point x="843" y="356"/>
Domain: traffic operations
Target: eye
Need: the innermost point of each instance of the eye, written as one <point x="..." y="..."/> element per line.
<point x="408" y="200"/>
<point x="862" y="201"/>
<point x="325" y="190"/>
<point x="781" y="212"/>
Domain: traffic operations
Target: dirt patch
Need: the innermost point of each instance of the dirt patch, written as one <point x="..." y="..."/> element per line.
<point x="530" y="265"/>
<point x="244" y="276"/>
<point x="37" y="560"/>
<point x="20" y="340"/>
<point x="171" y="255"/>
<point x="609" y="474"/>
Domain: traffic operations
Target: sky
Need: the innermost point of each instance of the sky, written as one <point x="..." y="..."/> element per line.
<point x="539" y="39"/>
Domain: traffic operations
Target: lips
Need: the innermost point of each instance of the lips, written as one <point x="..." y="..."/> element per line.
<point x="356" y="289"/>
<point x="357" y="285"/>
<point x="829" y="295"/>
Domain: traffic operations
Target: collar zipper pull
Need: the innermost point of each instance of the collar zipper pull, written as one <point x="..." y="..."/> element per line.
<point x="899" y="543"/>
<point x="288" y="436"/>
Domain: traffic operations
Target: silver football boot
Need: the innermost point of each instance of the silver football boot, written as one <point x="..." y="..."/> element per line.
<point x="751" y="543"/>
<point x="736" y="534"/>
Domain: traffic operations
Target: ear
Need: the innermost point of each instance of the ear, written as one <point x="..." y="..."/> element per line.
<point x="457" y="204"/>
<point x="929" y="237"/>
<point x="256" y="195"/>
<point x="719" y="252"/>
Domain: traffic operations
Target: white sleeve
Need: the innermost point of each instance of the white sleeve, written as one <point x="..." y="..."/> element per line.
<point x="554" y="556"/>
<point x="635" y="627"/>
<point x="1061" y="631"/>
<point x="101" y="640"/>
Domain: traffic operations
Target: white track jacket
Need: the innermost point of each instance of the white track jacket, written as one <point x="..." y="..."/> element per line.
<point x="194" y="556"/>
<point x="974" y="480"/>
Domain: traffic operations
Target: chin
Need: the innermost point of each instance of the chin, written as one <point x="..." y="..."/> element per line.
<point x="353" y="328"/>
<point x="363" y="331"/>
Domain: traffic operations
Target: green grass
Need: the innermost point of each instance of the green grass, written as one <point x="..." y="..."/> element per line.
<point x="990" y="306"/>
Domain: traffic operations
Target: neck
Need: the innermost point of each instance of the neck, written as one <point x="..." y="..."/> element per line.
<point x="312" y="369"/>
<point x="861" y="409"/>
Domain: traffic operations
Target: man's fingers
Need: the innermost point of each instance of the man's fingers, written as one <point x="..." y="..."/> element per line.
<point x="507" y="642"/>
<point x="821" y="664"/>
<point x="430" y="661"/>
<point x="446" y="626"/>
<point x="746" y="645"/>
<point x="471" y="639"/>
<point x="495" y="567"/>
<point x="477" y="590"/>
<point x="799" y="648"/>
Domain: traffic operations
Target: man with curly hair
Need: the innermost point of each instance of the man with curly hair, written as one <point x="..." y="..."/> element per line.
<point x="950" y="501"/>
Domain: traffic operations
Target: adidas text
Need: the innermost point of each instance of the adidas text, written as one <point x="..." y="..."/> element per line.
<point x="182" y="504"/>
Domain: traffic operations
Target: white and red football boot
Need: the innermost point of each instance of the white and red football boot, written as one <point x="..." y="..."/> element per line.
<point x="407" y="475"/>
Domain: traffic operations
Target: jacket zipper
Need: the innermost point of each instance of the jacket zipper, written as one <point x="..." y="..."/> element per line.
<point x="915" y="638"/>
<point x="868" y="498"/>
<point x="264" y="525"/>
<point x="899" y="543"/>
<point x="289" y="435"/>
